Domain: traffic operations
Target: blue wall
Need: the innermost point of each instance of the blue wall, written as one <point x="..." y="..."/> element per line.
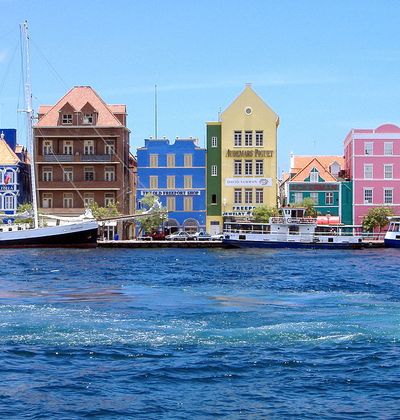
<point x="198" y="172"/>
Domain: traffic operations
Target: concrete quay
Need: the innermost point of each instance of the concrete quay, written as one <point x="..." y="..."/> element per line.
<point x="159" y="244"/>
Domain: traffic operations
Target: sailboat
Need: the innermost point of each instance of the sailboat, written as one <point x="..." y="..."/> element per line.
<point x="81" y="233"/>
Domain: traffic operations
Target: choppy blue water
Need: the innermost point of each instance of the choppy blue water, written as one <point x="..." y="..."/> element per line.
<point x="180" y="334"/>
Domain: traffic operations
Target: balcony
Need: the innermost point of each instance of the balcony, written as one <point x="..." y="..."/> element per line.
<point x="77" y="157"/>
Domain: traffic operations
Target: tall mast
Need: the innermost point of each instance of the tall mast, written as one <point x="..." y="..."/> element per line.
<point x="29" y="115"/>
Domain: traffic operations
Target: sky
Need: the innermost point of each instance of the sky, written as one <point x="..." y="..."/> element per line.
<point x="324" y="67"/>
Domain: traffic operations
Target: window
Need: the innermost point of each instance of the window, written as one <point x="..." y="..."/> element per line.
<point x="153" y="161"/>
<point x="68" y="174"/>
<point x="88" y="173"/>
<point x="153" y="181"/>
<point x="87" y="119"/>
<point x="170" y="160"/>
<point x="213" y="198"/>
<point x="187" y="181"/>
<point x="214" y="170"/>
<point x="88" y="199"/>
<point x="368" y="196"/>
<point x="171" y="181"/>
<point x="47" y="200"/>
<point x="388" y="171"/>
<point x="109" y="199"/>
<point x="248" y="195"/>
<point x="329" y="198"/>
<point x="259" y="167"/>
<point x="47" y="174"/>
<point x="88" y="147"/>
<point x="368" y="148"/>
<point x="48" y="147"/>
<point x="68" y="200"/>
<point x="237" y="168"/>
<point x="388" y="148"/>
<point x="237" y="196"/>
<point x="188" y="203"/>
<point x="237" y="139"/>
<point x="298" y="197"/>
<point x="171" y="203"/>
<point x="314" y="197"/>
<point x="314" y="176"/>
<point x="388" y="196"/>
<point x="9" y="202"/>
<point x="188" y="161"/>
<point x="109" y="173"/>
<point x="214" y="141"/>
<point x="248" y="167"/>
<point x="259" y="196"/>
<point x="248" y="138"/>
<point x="109" y="147"/>
<point x="368" y="171"/>
<point x="67" y="119"/>
<point x="259" y="138"/>
<point x="67" y="147"/>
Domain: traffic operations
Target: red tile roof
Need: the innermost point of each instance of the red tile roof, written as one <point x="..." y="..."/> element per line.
<point x="78" y="97"/>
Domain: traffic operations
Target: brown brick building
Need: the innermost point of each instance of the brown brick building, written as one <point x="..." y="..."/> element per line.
<point x="82" y="154"/>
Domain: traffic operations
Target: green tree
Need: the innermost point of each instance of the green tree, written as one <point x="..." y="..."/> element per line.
<point x="263" y="213"/>
<point x="309" y="204"/>
<point x="376" y="217"/>
<point x="21" y="209"/>
<point x="153" y="221"/>
<point x="104" y="212"/>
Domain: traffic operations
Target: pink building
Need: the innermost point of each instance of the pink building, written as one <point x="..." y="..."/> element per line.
<point x="372" y="162"/>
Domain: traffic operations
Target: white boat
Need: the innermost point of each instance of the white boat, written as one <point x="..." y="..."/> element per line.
<point x="290" y="230"/>
<point x="392" y="236"/>
<point x="80" y="233"/>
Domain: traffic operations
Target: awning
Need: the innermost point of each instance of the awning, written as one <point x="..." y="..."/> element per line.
<point x="328" y="220"/>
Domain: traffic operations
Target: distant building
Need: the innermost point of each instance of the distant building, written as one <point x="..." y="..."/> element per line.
<point x="241" y="160"/>
<point x="176" y="174"/>
<point x="320" y="178"/>
<point x="82" y="155"/>
<point x="15" y="187"/>
<point x="372" y="162"/>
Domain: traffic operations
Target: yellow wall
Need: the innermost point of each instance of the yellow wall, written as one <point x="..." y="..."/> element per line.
<point x="261" y="118"/>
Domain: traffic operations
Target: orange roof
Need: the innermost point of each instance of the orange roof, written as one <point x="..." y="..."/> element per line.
<point x="314" y="163"/>
<point x="7" y="156"/>
<point x="299" y="162"/>
<point x="78" y="97"/>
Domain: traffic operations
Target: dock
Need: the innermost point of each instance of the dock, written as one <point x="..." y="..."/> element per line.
<point x="133" y="243"/>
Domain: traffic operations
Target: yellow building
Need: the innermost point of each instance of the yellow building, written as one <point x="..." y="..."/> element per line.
<point x="241" y="160"/>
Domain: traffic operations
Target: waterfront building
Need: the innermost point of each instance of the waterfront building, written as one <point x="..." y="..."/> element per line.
<point x="175" y="173"/>
<point x="14" y="173"/>
<point x="81" y="154"/>
<point x="241" y="160"/>
<point x="321" y="179"/>
<point x="372" y="162"/>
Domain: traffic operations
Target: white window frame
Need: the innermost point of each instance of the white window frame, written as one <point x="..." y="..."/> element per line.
<point x="153" y="160"/>
<point x="237" y="138"/>
<point x="66" y="119"/>
<point x="109" y="147"/>
<point x="259" y="196"/>
<point x="47" y="200"/>
<point x="237" y="196"/>
<point x="314" y="176"/>
<point x="314" y="197"/>
<point x="248" y="167"/>
<point x="188" y="181"/>
<point x="68" y="174"/>
<point x="368" y="171"/>
<point x="188" y="160"/>
<point x="47" y="174"/>
<point x="89" y="170"/>
<point x="88" y="119"/>
<point x="188" y="203"/>
<point x="370" y="192"/>
<point x="388" y="148"/>
<point x="68" y="200"/>
<point x="109" y="198"/>
<point x="248" y="139"/>
<point x="170" y="181"/>
<point x="9" y="202"/>
<point x="214" y="170"/>
<point x="369" y="148"/>
<point x="153" y="182"/>
<point x="214" y="141"/>
<point x="385" y="196"/>
<point x="47" y="147"/>
<point x="329" y="198"/>
<point x="88" y="199"/>
<point x="297" y="197"/>
<point x="259" y="138"/>
<point x="109" y="173"/>
<point x="248" y="196"/>
<point x="88" y="147"/>
<point x="259" y="167"/>
<point x="68" y="147"/>
<point x="171" y="203"/>
<point x="237" y="167"/>
<point x="388" y="171"/>
<point x="170" y="160"/>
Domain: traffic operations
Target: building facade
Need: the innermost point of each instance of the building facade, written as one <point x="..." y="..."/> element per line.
<point x="82" y="154"/>
<point x="15" y="188"/>
<point x="372" y="162"/>
<point x="241" y="160"/>
<point x="175" y="173"/>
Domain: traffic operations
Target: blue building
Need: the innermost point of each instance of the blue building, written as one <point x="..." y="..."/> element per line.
<point x="15" y="187"/>
<point x="176" y="173"/>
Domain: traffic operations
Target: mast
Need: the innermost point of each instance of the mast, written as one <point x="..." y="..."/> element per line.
<point x="29" y="115"/>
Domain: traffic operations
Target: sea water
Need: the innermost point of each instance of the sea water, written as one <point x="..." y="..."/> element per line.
<point x="198" y="333"/>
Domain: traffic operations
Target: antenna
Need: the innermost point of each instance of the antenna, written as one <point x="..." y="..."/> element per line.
<point x="155" y="112"/>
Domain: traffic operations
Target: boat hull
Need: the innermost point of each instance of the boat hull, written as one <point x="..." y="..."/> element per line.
<point x="283" y="244"/>
<point x="79" y="235"/>
<point x="392" y="243"/>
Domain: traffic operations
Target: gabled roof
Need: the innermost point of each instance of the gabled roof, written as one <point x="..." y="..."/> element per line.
<point x="7" y="156"/>
<point x="300" y="162"/>
<point x="78" y="97"/>
<point x="305" y="172"/>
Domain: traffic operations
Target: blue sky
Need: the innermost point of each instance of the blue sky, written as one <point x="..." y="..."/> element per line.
<point x="323" y="66"/>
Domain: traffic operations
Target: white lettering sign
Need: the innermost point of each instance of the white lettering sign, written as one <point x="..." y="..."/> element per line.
<point x="248" y="182"/>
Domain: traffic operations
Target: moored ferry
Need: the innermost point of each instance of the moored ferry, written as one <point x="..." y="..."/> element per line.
<point x="292" y="229"/>
<point x="392" y="236"/>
